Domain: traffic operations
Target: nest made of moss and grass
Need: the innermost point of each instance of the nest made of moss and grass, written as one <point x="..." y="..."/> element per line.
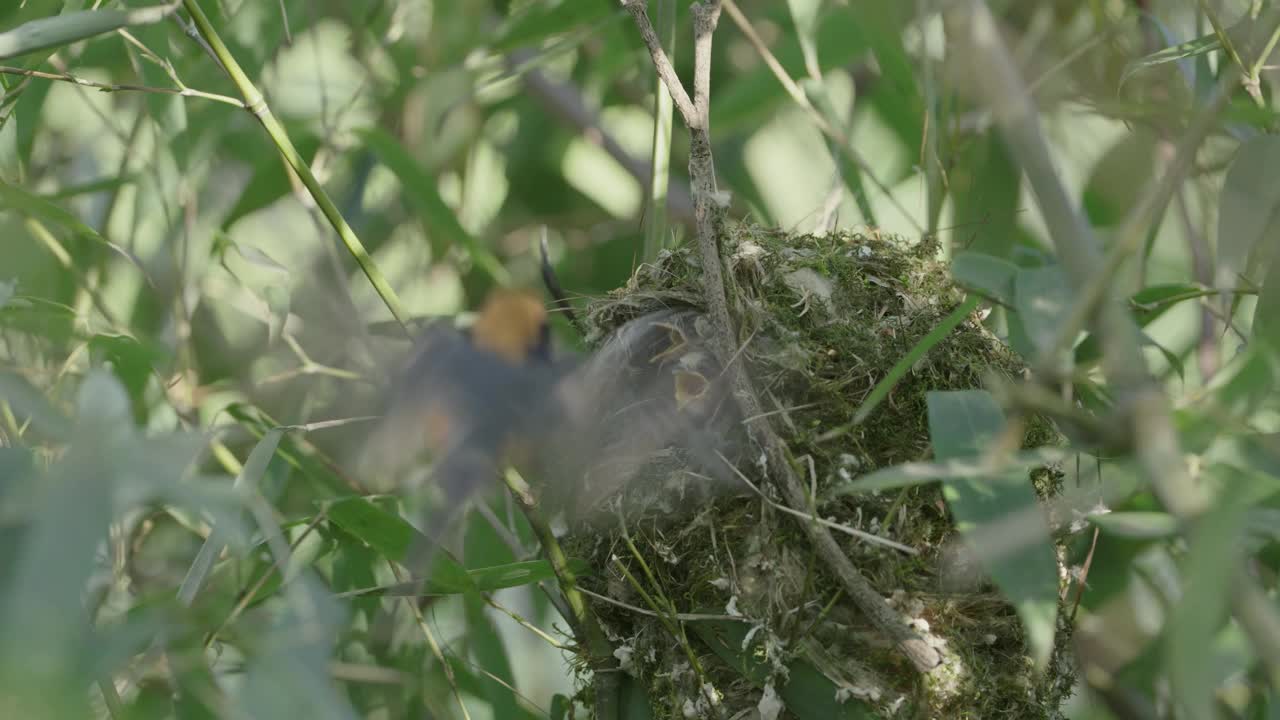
<point x="826" y="317"/>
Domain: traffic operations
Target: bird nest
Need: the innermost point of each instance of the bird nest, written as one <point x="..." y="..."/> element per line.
<point x="720" y="607"/>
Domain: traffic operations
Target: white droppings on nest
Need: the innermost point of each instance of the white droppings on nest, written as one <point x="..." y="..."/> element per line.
<point x="625" y="655"/>
<point x="869" y="693"/>
<point x="748" y="250"/>
<point x="731" y="608"/>
<point x="807" y="283"/>
<point x="770" y="705"/>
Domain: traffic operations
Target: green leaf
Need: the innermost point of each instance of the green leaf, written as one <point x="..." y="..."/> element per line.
<point x="985" y="186"/>
<point x="516" y="574"/>
<point x="1147" y="305"/>
<point x="1043" y="300"/>
<point x="26" y="401"/>
<point x="539" y="21"/>
<point x="489" y="652"/>
<point x="920" y="473"/>
<point x="986" y="274"/>
<point x="1249" y="213"/>
<point x="1119" y="178"/>
<point x="52" y="32"/>
<point x="1199" y="46"/>
<point x="634" y="700"/>
<point x="1137" y="525"/>
<point x="808" y="694"/>
<point x="247" y="481"/>
<point x="1266" y="314"/>
<point x="422" y="195"/>
<point x="133" y="361"/>
<point x="961" y="425"/>
<point x="913" y="356"/>
<point x="804" y="14"/>
<point x="392" y="536"/>
<point x="1210" y="568"/>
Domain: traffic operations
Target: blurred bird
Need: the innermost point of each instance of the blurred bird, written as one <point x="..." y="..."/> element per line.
<point x="579" y="429"/>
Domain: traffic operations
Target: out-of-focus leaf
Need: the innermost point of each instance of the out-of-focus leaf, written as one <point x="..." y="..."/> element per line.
<point x="1238" y="391"/>
<point x="45" y="629"/>
<point x="485" y="579"/>
<point x="1148" y="304"/>
<point x="986" y="274"/>
<point x="961" y="425"/>
<point x="392" y="536"/>
<point x="1266" y="314"/>
<point x="29" y="203"/>
<point x="755" y="95"/>
<point x="288" y="671"/>
<point x="804" y="14"/>
<point x="52" y="32"/>
<point x="1137" y="525"/>
<point x="538" y="21"/>
<point x="1199" y="46"/>
<point x="1043" y="298"/>
<point x="808" y="694"/>
<point x="27" y="401"/>
<point x="423" y="196"/>
<point x="1249" y="213"/>
<point x="1119" y="178"/>
<point x="897" y="96"/>
<point x="246" y="482"/>
<point x="1208" y="573"/>
<point x="985" y="186"/>
<point x="490" y="653"/>
<point x="919" y="473"/>
<point x="132" y="360"/>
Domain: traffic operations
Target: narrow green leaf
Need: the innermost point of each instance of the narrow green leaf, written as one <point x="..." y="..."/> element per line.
<point x="246" y="482"/>
<point x="804" y="14"/>
<point x="920" y="473"/>
<point x="917" y="351"/>
<point x="1199" y="46"/>
<point x="539" y="21"/>
<point x="52" y="32"/>
<point x="1137" y="525"/>
<point x="489" y="653"/>
<point x="1209" y="570"/>
<point x="1248" y="213"/>
<point x="392" y="536"/>
<point x="961" y="425"/>
<point x="1266" y="314"/>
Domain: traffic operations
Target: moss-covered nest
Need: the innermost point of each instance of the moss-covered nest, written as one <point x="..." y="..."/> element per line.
<point x="822" y="321"/>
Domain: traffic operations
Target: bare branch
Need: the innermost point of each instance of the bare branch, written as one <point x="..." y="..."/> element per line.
<point x="661" y="62"/>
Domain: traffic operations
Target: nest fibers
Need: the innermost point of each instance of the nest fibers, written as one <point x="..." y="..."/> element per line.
<point x="822" y="320"/>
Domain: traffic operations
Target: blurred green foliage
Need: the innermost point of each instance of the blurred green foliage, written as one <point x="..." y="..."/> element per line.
<point x="187" y="351"/>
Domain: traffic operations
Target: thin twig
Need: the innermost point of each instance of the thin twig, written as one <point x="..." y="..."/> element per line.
<point x="111" y="87"/>
<point x="661" y="62"/>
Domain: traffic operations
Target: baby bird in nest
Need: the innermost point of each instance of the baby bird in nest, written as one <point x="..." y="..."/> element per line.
<point x="581" y="430"/>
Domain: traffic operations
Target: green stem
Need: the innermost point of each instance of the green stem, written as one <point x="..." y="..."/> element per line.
<point x="585" y="627"/>
<point x="257" y="105"/>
